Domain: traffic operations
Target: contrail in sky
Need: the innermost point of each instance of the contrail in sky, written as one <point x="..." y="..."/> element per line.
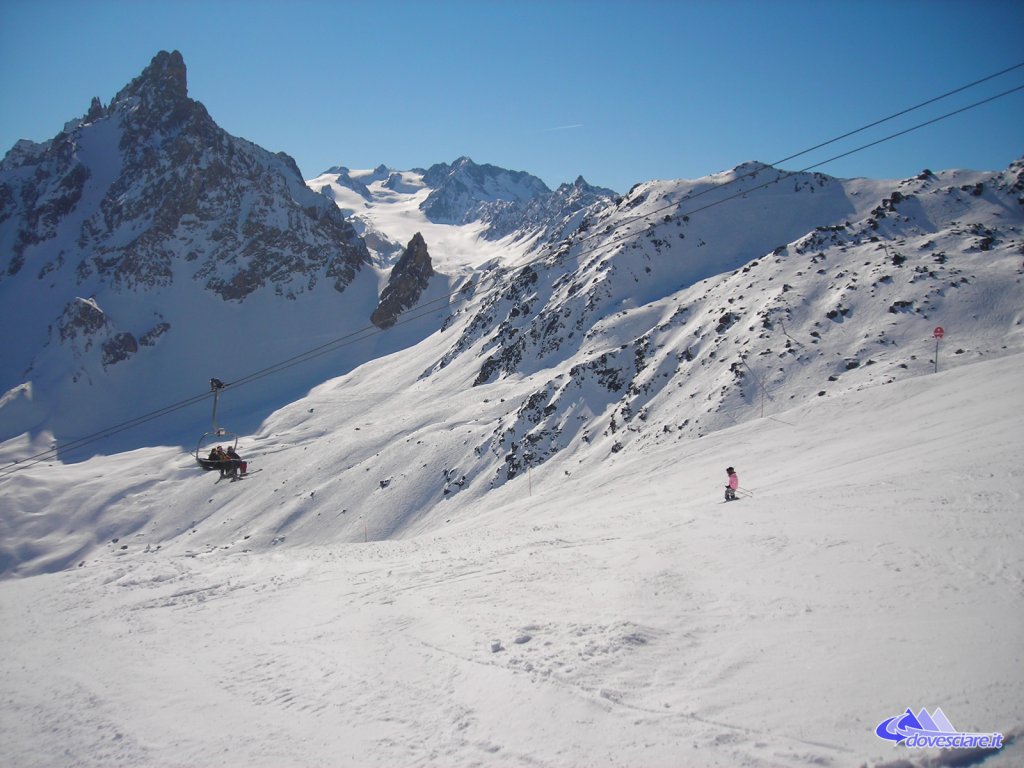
<point x="562" y="127"/>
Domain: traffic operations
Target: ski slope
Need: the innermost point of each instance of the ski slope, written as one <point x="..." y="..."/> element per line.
<point x="599" y="613"/>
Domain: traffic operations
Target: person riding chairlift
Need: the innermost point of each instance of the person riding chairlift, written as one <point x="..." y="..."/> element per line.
<point x="238" y="465"/>
<point x="227" y="464"/>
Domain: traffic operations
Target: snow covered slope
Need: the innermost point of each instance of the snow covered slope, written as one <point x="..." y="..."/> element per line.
<point x="613" y="613"/>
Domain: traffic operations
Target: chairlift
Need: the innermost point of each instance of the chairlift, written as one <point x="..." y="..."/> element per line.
<point x="216" y="436"/>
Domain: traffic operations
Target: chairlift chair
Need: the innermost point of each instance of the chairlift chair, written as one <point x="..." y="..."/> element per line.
<point x="216" y="435"/>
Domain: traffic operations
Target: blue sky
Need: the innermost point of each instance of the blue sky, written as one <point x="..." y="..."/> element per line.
<point x="618" y="92"/>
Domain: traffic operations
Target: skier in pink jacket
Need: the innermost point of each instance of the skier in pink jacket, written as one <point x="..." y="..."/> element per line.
<point x="734" y="483"/>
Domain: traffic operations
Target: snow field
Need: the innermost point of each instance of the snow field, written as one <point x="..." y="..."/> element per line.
<point x="638" y="619"/>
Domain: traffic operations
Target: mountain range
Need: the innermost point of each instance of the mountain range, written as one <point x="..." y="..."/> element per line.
<point x="146" y="251"/>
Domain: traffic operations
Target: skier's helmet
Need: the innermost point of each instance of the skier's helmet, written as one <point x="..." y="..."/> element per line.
<point x="730" y="470"/>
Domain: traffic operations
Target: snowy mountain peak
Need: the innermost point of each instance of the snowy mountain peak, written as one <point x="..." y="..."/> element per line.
<point x="153" y="185"/>
<point x="507" y="202"/>
<point x="464" y="187"/>
<point x="22" y="150"/>
<point x="152" y="196"/>
<point x="490" y="180"/>
<point x="751" y="166"/>
<point x="580" y="187"/>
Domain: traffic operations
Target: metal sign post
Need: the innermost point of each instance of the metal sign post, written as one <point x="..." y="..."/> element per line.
<point x="938" y="333"/>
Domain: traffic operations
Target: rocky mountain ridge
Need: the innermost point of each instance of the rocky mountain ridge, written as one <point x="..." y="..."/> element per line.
<point x="506" y="203"/>
<point x="462" y="190"/>
<point x="662" y="319"/>
<point x="150" y="186"/>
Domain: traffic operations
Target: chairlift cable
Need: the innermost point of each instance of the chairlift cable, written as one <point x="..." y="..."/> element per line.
<point x="152" y="415"/>
<point x="873" y="124"/>
<point x="781" y="177"/>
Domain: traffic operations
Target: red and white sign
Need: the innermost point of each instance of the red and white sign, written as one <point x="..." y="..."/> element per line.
<point x="939" y="332"/>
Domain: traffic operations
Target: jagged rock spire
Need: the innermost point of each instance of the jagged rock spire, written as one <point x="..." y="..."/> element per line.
<point x="408" y="280"/>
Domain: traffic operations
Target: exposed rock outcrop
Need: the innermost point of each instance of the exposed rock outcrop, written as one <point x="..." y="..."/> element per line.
<point x="409" y="279"/>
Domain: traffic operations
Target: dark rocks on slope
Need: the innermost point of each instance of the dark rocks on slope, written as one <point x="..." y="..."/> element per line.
<point x="408" y="280"/>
